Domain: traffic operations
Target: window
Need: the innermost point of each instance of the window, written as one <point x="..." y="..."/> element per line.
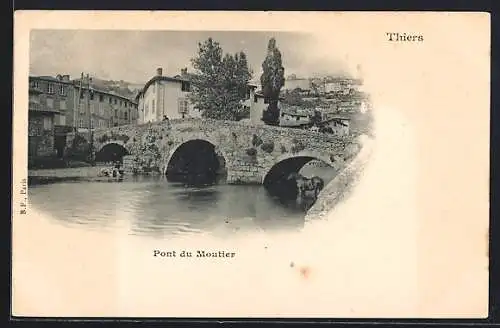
<point x="62" y="105"/>
<point x="101" y="98"/>
<point x="116" y="101"/>
<point x="297" y="118"/>
<point x="154" y="88"/>
<point x="255" y="98"/>
<point x="153" y="106"/>
<point x="266" y="101"/>
<point x="50" y="88"/>
<point x="101" y="109"/>
<point x="183" y="106"/>
<point x="92" y="108"/>
<point x="81" y="108"/>
<point x="186" y="86"/>
<point x="91" y="123"/>
<point x="47" y="123"/>
<point x="80" y="123"/>
<point x="61" y="119"/>
<point x="35" y="84"/>
<point x="81" y="95"/>
<point x="110" y="100"/>
<point x="126" y="115"/>
<point x="62" y="90"/>
<point x="146" y="110"/>
<point x="91" y="95"/>
<point x="50" y="103"/>
<point x="116" y="112"/>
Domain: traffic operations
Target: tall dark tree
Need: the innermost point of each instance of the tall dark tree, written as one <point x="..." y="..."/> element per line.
<point x="272" y="80"/>
<point x="218" y="81"/>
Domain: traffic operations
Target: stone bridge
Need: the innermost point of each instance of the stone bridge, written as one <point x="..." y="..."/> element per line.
<point x="243" y="153"/>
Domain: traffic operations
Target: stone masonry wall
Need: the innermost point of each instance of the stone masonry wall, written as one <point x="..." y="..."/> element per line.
<point x="249" y="151"/>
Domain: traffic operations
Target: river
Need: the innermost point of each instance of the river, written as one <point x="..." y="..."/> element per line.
<point x="154" y="207"/>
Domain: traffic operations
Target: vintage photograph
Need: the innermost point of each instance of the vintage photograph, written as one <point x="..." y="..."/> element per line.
<point x="187" y="130"/>
<point x="250" y="164"/>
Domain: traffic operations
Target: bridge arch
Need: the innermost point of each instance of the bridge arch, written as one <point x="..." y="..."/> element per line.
<point x="275" y="177"/>
<point x="111" y="151"/>
<point x="197" y="161"/>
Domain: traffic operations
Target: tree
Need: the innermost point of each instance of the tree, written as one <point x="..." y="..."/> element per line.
<point x="219" y="82"/>
<point x="272" y="80"/>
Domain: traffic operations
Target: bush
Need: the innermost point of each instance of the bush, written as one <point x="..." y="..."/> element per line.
<point x="256" y="141"/>
<point x="268" y="147"/>
<point x="251" y="152"/>
<point x="283" y="149"/>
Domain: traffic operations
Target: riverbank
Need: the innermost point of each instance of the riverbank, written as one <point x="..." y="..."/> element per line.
<point x="75" y="174"/>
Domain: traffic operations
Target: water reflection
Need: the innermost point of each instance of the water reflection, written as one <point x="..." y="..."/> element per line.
<point x="157" y="207"/>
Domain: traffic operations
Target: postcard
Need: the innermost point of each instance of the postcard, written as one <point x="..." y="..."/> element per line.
<point x="250" y="164"/>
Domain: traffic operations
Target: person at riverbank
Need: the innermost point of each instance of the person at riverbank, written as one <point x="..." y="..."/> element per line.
<point x="117" y="170"/>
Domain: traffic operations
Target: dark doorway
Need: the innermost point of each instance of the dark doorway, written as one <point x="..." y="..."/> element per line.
<point x="195" y="162"/>
<point x="60" y="145"/>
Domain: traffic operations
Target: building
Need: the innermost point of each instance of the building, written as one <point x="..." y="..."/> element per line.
<point x="258" y="104"/>
<point x="50" y="102"/>
<point x="95" y="108"/>
<point x="339" y="124"/>
<point x="164" y="96"/>
<point x="343" y="85"/>
<point x="61" y="106"/>
<point x="293" y="116"/>
<point x="41" y="118"/>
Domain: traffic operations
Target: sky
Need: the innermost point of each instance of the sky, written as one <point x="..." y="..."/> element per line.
<point x="133" y="56"/>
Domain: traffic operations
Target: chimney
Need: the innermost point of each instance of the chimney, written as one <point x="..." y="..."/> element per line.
<point x="184" y="71"/>
<point x="159" y="71"/>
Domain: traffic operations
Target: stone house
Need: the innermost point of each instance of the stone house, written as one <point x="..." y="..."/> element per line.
<point x="293" y="116"/>
<point x="40" y="125"/>
<point x="165" y="96"/>
<point x="72" y="107"/>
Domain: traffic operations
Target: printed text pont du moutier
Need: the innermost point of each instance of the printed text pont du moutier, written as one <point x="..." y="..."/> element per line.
<point x="196" y="253"/>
